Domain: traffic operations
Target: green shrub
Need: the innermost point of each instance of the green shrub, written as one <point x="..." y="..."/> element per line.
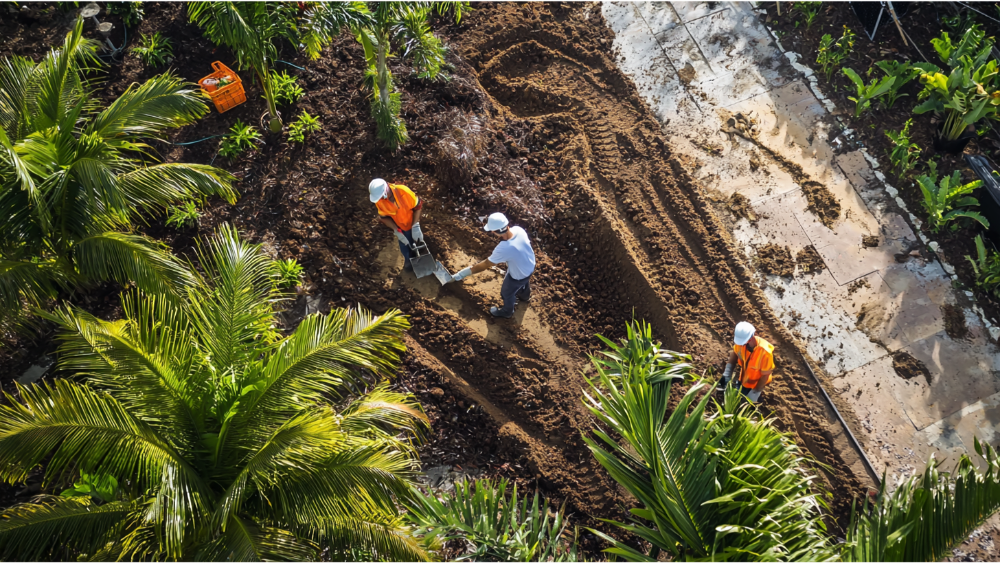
<point x="941" y="200"/>
<point x="987" y="268"/>
<point x="130" y="12"/>
<point x="833" y="53"/>
<point x="903" y="73"/>
<point x="154" y="50"/>
<point x="904" y="152"/>
<point x="241" y="137"/>
<point x="304" y="124"/>
<point x="287" y="273"/>
<point x="809" y="11"/>
<point x="183" y="216"/>
<point x="286" y="88"/>
<point x="867" y="93"/>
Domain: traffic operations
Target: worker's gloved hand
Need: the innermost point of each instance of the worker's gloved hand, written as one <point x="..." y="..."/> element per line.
<point x="402" y="237"/>
<point x="463" y="274"/>
<point x="753" y="396"/>
<point x="728" y="373"/>
<point x="416" y="233"/>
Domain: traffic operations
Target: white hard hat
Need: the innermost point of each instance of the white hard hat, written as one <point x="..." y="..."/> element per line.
<point x="496" y="222"/>
<point x="744" y="331"/>
<point x="377" y="189"/>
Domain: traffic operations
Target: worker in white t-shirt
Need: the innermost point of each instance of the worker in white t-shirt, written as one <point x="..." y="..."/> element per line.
<point x="515" y="250"/>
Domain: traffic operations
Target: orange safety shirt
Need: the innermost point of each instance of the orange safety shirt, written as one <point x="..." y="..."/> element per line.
<point x="760" y="360"/>
<point x="402" y="214"/>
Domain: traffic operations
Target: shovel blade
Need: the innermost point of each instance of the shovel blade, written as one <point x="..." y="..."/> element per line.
<point x="423" y="265"/>
<point x="441" y="273"/>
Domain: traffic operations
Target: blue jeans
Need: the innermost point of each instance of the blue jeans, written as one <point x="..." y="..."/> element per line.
<point x="509" y="292"/>
<point x="404" y="249"/>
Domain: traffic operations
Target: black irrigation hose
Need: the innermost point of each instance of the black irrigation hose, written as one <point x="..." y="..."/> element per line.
<point x="854" y="441"/>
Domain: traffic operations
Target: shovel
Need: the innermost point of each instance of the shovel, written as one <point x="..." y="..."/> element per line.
<point x="424" y="263"/>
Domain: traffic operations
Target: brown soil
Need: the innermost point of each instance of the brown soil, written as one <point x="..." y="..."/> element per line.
<point x="776" y="260"/>
<point x="954" y="321"/>
<point x="569" y="151"/>
<point x="869" y="241"/>
<point x="739" y="204"/>
<point x="908" y="367"/>
<point x="809" y="261"/>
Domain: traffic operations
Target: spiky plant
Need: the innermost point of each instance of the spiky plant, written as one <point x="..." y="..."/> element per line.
<point x="228" y="441"/>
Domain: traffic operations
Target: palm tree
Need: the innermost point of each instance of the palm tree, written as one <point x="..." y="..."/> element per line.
<point x="74" y="177"/>
<point x="228" y="441"/>
<point x="252" y="29"/>
<point x="731" y="487"/>
<point x="404" y="23"/>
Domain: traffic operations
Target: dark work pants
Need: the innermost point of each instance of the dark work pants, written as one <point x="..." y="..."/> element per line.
<point x="509" y="292"/>
<point x="404" y="249"/>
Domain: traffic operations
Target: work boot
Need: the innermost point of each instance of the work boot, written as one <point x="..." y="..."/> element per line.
<point x="496" y="313"/>
<point x="407" y="267"/>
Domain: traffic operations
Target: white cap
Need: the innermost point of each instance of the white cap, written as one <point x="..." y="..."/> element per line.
<point x="377" y="189"/>
<point x="744" y="331"/>
<point x="496" y="222"/>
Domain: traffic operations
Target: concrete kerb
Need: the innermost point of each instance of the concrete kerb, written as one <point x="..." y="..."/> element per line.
<point x="893" y="193"/>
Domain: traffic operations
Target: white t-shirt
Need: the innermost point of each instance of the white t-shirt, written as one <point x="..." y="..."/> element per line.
<point x="517" y="253"/>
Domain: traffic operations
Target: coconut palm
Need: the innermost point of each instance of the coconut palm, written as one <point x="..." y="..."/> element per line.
<point x="731" y="487"/>
<point x="227" y="441"/>
<point x="75" y="176"/>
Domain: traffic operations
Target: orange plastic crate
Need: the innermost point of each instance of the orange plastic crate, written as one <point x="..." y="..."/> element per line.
<point x="230" y="95"/>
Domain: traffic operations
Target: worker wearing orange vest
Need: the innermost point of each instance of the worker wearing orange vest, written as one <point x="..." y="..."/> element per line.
<point x="399" y="209"/>
<point x="756" y="358"/>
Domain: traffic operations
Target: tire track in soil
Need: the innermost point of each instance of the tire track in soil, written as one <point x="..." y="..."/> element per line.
<point x="625" y="213"/>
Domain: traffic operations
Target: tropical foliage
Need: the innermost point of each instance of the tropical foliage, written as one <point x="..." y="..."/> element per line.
<point x="902" y="73"/>
<point x="867" y="92"/>
<point x="75" y="176"/>
<point x="493" y="526"/>
<point x="227" y="440"/>
<point x="969" y="92"/>
<point x="712" y="488"/>
<point x="242" y="137"/>
<point x="904" y="153"/>
<point x="831" y="54"/>
<point x="986" y="267"/>
<point x="945" y="201"/>
<point x="154" y="50"/>
<point x="729" y="486"/>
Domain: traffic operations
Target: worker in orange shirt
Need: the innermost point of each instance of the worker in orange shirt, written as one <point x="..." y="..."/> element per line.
<point x="399" y="209"/>
<point x="756" y="359"/>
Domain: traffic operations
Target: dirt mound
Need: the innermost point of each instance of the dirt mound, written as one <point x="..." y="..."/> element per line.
<point x="954" y="321"/>
<point x="739" y="204"/>
<point x="809" y="261"/>
<point x="908" y="367"/>
<point x="776" y="260"/>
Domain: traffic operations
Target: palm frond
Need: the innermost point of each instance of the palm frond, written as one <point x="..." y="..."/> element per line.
<point x="232" y="306"/>
<point x="16" y="75"/>
<point x="369" y="539"/>
<point x="59" y="528"/>
<point x="419" y="43"/>
<point x="160" y="185"/>
<point x="27" y="283"/>
<point x="149" y="109"/>
<point x="329" y="355"/>
<point x="246" y="540"/>
<point x="928" y="514"/>
<point x="146" y="361"/>
<point x="59" y="84"/>
<point x="383" y="413"/>
<point x="75" y="427"/>
<point x="131" y="258"/>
